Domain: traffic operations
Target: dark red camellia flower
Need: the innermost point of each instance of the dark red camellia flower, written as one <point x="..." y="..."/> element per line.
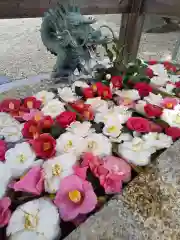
<point x="3" y="149"/>
<point x="31" y="129"/>
<point x="88" y="114"/>
<point x="143" y="88"/>
<point x="105" y="92"/>
<point x="66" y="118"/>
<point x="177" y="84"/>
<point x="173" y="132"/>
<point x="152" y="62"/>
<point x="97" y="86"/>
<point x="152" y="110"/>
<point x="88" y="92"/>
<point x="31" y="102"/>
<point x="46" y="122"/>
<point x="142" y="125"/>
<point x="169" y="66"/>
<point x="149" y="72"/>
<point x="117" y="81"/>
<point x="44" y="146"/>
<point x="78" y="105"/>
<point x="10" y="105"/>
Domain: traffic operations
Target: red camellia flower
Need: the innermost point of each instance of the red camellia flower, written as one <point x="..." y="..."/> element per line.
<point x="66" y="118"/>
<point x="88" y="92"/>
<point x="31" y="102"/>
<point x="149" y="72"/>
<point x="173" y="132"/>
<point x="170" y="67"/>
<point x="152" y="62"/>
<point x="31" y="129"/>
<point x="142" y="125"/>
<point x="152" y="110"/>
<point x="78" y="105"/>
<point x="105" y="92"/>
<point x="143" y="88"/>
<point x="177" y="84"/>
<point x="97" y="86"/>
<point x="117" y="81"/>
<point x="44" y="146"/>
<point x="10" y="105"/>
<point x="88" y="114"/>
<point x="46" y="122"/>
<point x="3" y="149"/>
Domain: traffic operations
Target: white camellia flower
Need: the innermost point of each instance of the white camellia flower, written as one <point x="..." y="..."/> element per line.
<point x="6" y="120"/>
<point x="5" y="177"/>
<point x="112" y="129"/>
<point x="98" y="145"/>
<point x="56" y="169"/>
<point x="123" y="137"/>
<point x="80" y="129"/>
<point x="98" y="104"/>
<point x="20" y="158"/>
<point x="44" y="96"/>
<point x="36" y="220"/>
<point x="137" y="151"/>
<point x="158" y="140"/>
<point x="162" y="77"/>
<point x="79" y="84"/>
<point x="171" y="116"/>
<point x="117" y="113"/>
<point x="155" y="99"/>
<point x="70" y="143"/>
<point x="67" y="95"/>
<point x="139" y="107"/>
<point x="12" y="133"/>
<point x="128" y="94"/>
<point x="168" y="88"/>
<point x="53" y="108"/>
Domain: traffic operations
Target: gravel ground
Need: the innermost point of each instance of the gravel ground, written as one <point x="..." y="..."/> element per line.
<point x="22" y="52"/>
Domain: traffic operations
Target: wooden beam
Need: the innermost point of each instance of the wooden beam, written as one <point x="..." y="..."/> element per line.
<point x="36" y="8"/>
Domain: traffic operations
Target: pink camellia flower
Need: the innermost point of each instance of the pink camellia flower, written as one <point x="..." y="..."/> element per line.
<point x="91" y="161"/>
<point x="5" y="213"/>
<point x="125" y="102"/>
<point x="75" y="196"/>
<point x="112" y="183"/>
<point x="34" y="114"/>
<point x="3" y="149"/>
<point x="169" y="103"/>
<point x="32" y="182"/>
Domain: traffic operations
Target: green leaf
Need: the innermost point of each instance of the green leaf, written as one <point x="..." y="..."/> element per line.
<point x="110" y="55"/>
<point x="56" y="131"/>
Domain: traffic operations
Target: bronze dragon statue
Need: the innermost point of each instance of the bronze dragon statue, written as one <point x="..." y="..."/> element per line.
<point x="69" y="35"/>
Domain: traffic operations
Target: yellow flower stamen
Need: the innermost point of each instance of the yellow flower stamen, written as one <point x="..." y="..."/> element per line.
<point x="46" y="146"/>
<point x="75" y="196"/>
<point x="112" y="129"/>
<point x="137" y="147"/>
<point x="127" y="101"/>
<point x="169" y="105"/>
<point x="68" y="145"/>
<point x="37" y="117"/>
<point x="30" y="104"/>
<point x="177" y="118"/>
<point x="56" y="170"/>
<point x="21" y="158"/>
<point x="92" y="145"/>
<point x="30" y="221"/>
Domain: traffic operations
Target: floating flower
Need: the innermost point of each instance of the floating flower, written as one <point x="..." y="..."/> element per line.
<point x="139" y="106"/>
<point x="137" y="151"/>
<point x="6" y="120"/>
<point x="169" y="103"/>
<point x="128" y="94"/>
<point x="152" y="62"/>
<point x="158" y="140"/>
<point x="74" y="199"/>
<point x="121" y="138"/>
<point x="98" y="145"/>
<point x="173" y="132"/>
<point x="97" y="104"/>
<point x="154" y="99"/>
<point x="87" y="114"/>
<point x="125" y="102"/>
<point x="117" y="166"/>
<point x="5" y="177"/>
<point x="117" y="81"/>
<point x="65" y="118"/>
<point x="112" y="183"/>
<point x="112" y="129"/>
<point x="12" y="133"/>
<point x="67" y="95"/>
<point x="104" y="92"/>
<point x="3" y="149"/>
<point x="88" y="92"/>
<point x="46" y="122"/>
<point x="152" y="110"/>
<point x="70" y="143"/>
<point x="5" y="212"/>
<point x="34" y="114"/>
<point x="20" y="158"/>
<point x="31" y="182"/>
<point x="44" y="146"/>
<point x="10" y="105"/>
<point x="53" y="108"/>
<point x="31" y="103"/>
<point x="56" y="169"/>
<point x="149" y="72"/>
<point x="144" y="89"/>
<point x="80" y="129"/>
<point x="31" y="129"/>
<point x="142" y="125"/>
<point x="44" y="96"/>
<point x="30" y="221"/>
<point x="172" y="116"/>
<point x="168" y="88"/>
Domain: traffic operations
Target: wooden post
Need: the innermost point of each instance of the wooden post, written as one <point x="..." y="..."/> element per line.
<point x="131" y="29"/>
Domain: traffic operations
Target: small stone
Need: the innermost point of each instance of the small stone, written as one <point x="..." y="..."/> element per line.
<point x="108" y="76"/>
